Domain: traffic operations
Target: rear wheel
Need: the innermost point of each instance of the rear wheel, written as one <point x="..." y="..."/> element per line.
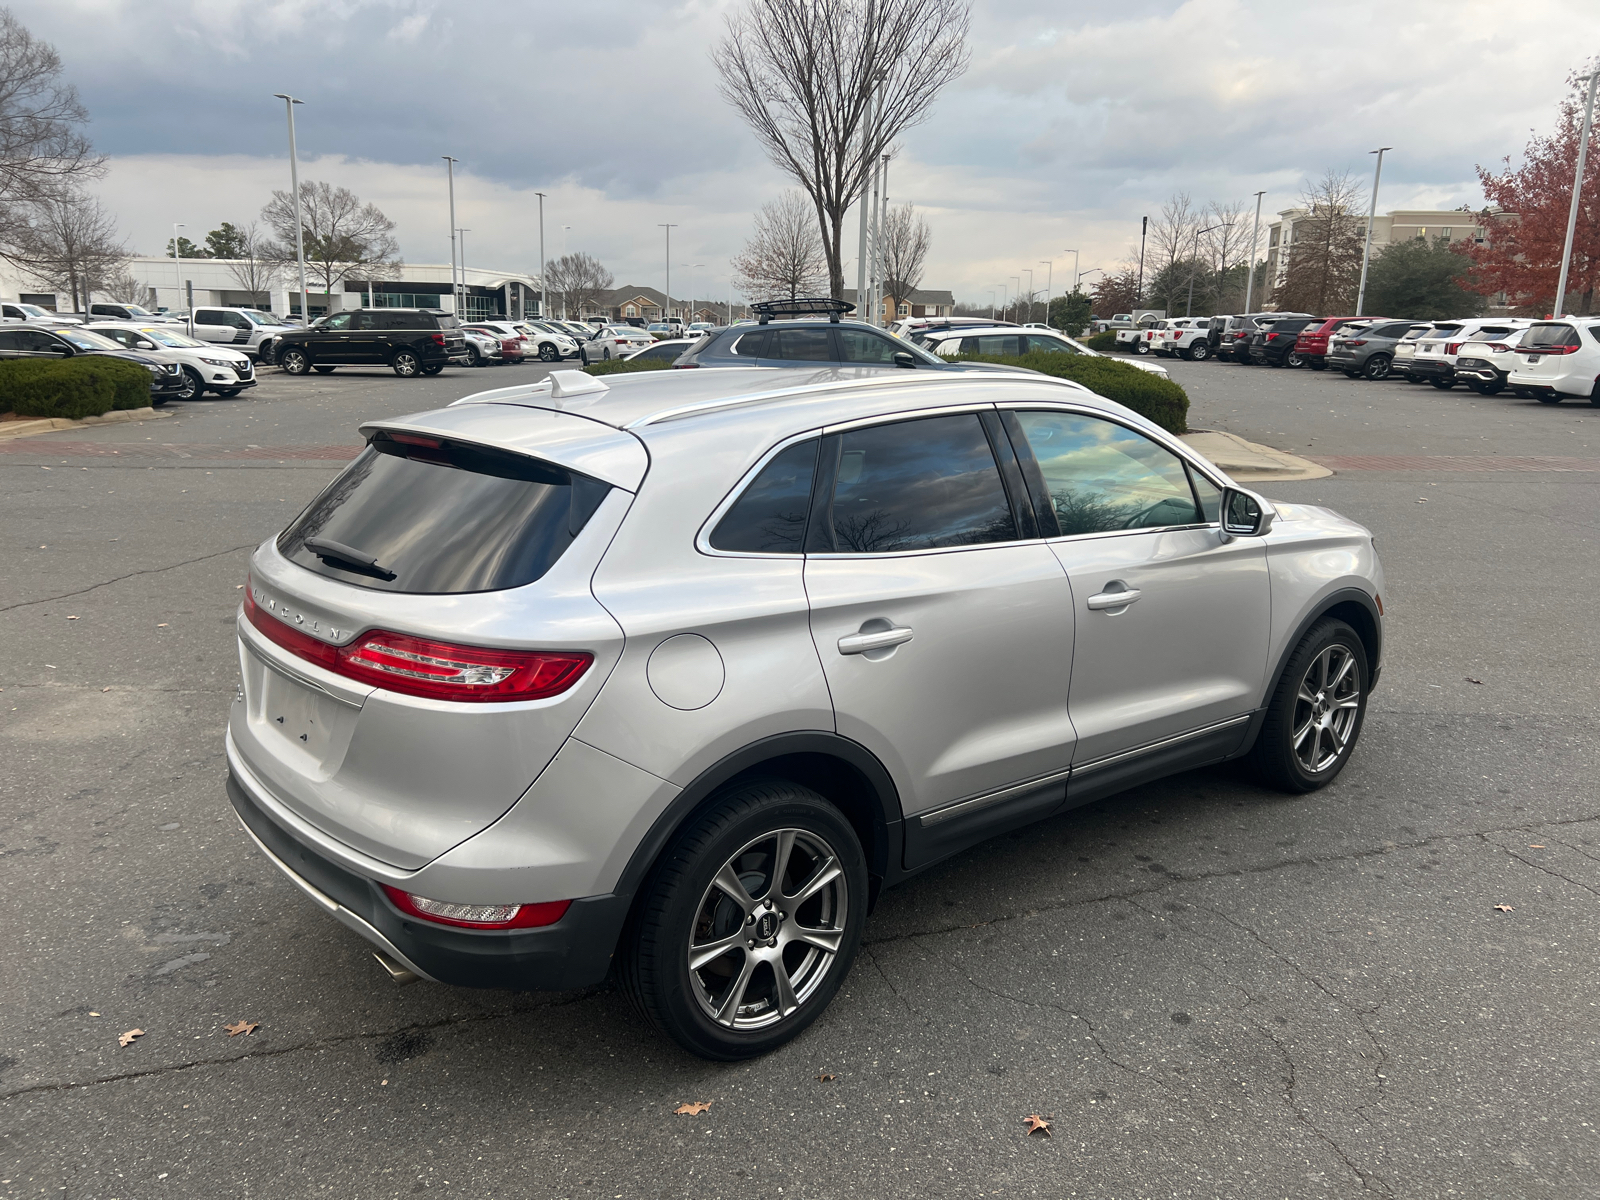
<point x="1314" y="718"/>
<point x="1294" y="359"/>
<point x="1377" y="367"/>
<point x="406" y="364"/>
<point x="1594" y="396"/>
<point x="1200" y="351"/>
<point x="1444" y="385"/>
<point x="474" y="359"/>
<point x="750" y="922"/>
<point x="1141" y="347"/>
<point x="322" y="370"/>
<point x="294" y="362"/>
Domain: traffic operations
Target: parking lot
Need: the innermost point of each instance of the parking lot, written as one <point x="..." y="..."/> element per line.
<point x="1210" y="989"/>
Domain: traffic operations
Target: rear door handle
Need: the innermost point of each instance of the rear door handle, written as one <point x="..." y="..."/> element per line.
<point x="1113" y="599"/>
<point x="878" y="639"/>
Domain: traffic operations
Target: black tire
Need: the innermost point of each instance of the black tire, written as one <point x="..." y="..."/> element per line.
<point x="679" y="901"/>
<point x="1274" y="362"/>
<point x="1141" y="347"/>
<point x="1276" y="757"/>
<point x="294" y="361"/>
<point x="474" y="359"/>
<point x="229" y="393"/>
<point x="1492" y="389"/>
<point x="548" y="352"/>
<point x="1594" y="396"/>
<point x="406" y="364"/>
<point x="1548" y="399"/>
<point x="1523" y="393"/>
<point x="266" y="354"/>
<point x="433" y="370"/>
<point x="1444" y="385"/>
<point x="193" y="386"/>
<point x="320" y="369"/>
<point x="1352" y="374"/>
<point x="1377" y="367"/>
<point x="583" y="355"/>
<point x="1199" y="352"/>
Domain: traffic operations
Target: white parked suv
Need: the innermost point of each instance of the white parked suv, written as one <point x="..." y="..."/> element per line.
<point x="1011" y="341"/>
<point x="1559" y="360"/>
<point x="1185" y="337"/>
<point x="206" y="368"/>
<point x="673" y="672"/>
<point x="1438" y="348"/>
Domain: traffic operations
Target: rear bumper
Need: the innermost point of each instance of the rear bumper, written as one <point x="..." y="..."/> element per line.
<point x="573" y="953"/>
<point x="1432" y="368"/>
<point x="1344" y="362"/>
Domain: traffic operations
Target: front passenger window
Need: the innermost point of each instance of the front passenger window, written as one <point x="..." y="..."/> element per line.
<point x="1102" y="476"/>
<point x="337" y="323"/>
<point x="859" y="346"/>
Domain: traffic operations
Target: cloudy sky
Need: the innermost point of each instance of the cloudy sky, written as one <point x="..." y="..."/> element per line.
<point x="1074" y="120"/>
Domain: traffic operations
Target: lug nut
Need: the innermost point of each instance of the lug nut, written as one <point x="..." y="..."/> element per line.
<point x="771" y="943"/>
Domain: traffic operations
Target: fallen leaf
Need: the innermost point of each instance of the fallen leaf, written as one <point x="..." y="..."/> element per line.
<point x="826" y="1078"/>
<point x="692" y="1110"/>
<point x="72" y="618"/>
<point x="1036" y="1124"/>
<point x="1535" y="846"/>
<point x="239" y="1027"/>
<point x="105" y="689"/>
<point x="125" y="1040"/>
<point x="94" y="1014"/>
<point x="1422" y="500"/>
<point x="1470" y="679"/>
<point x="163" y="625"/>
<point x="1502" y="908"/>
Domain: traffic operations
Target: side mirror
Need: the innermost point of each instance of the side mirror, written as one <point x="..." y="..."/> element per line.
<point x="1245" y="514"/>
<point x="904" y="358"/>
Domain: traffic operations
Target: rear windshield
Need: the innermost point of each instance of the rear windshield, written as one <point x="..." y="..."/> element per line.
<point x="1440" y="331"/>
<point x="1545" y="336"/>
<point x="1292" y="325"/>
<point x="423" y="515"/>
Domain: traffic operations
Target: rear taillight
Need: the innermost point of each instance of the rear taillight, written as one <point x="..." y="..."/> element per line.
<point x="438" y="339"/>
<point x="1550" y="349"/>
<point x="478" y="916"/>
<point x="1352" y="341"/>
<point x="1497" y="347"/>
<point x="1272" y="337"/>
<point x="434" y="670"/>
<point x="1452" y="347"/>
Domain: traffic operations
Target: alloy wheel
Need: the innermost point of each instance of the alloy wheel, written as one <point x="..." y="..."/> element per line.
<point x="1325" y="711"/>
<point x="768" y="929"/>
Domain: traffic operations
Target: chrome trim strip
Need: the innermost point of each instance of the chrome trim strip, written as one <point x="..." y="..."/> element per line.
<point x="336" y="910"/>
<point x="984" y="800"/>
<point x="294" y="676"/>
<point x="1108" y="760"/>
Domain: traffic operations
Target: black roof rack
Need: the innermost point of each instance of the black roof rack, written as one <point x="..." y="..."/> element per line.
<point x="801" y="307"/>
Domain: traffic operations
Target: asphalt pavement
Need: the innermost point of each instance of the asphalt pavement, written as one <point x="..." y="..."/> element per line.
<point x="1211" y="990"/>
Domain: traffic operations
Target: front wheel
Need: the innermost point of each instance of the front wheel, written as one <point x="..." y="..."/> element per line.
<point x="1548" y="399"/>
<point x="294" y="362"/>
<point x="548" y="353"/>
<point x="229" y="393"/>
<point x="406" y="365"/>
<point x="193" y="386"/>
<point x="1314" y="718"/>
<point x="1200" y="351"/>
<point x="474" y="359"/>
<point x="749" y="923"/>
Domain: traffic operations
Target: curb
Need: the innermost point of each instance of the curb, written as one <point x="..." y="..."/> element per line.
<point x="11" y="430"/>
<point x="1251" y="462"/>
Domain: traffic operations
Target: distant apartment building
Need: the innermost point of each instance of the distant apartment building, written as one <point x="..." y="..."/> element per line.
<point x="1398" y="225"/>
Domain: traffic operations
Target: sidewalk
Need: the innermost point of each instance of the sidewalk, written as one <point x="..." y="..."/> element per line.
<point x="1251" y="462"/>
<point x="10" y="430"/>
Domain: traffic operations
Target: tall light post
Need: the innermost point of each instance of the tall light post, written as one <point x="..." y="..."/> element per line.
<point x="1049" y="281"/>
<point x="1081" y="278"/>
<point x="1074" y="254"/>
<point x="299" y="230"/>
<point x="1372" y="214"/>
<point x="1144" y="228"/>
<point x="1194" y="254"/>
<point x="455" y="290"/>
<point x="1577" y="190"/>
<point x="565" y="229"/>
<point x="1017" y="290"/>
<point x="544" y="292"/>
<point x="1255" y="240"/>
<point x="177" y="265"/>
<point x="991" y="302"/>
<point x="1002" y="288"/>
<point x="1028" y="271"/>
<point x="462" y="234"/>
<point x="692" y="267"/>
<point x="666" y="303"/>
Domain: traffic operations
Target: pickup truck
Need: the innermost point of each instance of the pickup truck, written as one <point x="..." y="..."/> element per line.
<point x="247" y="329"/>
<point x="1132" y="340"/>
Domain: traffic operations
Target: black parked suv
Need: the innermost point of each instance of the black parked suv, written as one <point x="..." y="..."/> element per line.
<point x="1273" y="341"/>
<point x="410" y="341"/>
<point x="69" y="341"/>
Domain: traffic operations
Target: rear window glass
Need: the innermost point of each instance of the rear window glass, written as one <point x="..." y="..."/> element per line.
<point x="421" y="515"/>
<point x="751" y="345"/>
<point x="1291" y="326"/>
<point x="1439" y="331"/>
<point x="770" y="517"/>
<point x="1546" y="336"/>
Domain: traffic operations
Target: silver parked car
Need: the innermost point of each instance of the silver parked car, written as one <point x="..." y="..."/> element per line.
<point x="676" y="671"/>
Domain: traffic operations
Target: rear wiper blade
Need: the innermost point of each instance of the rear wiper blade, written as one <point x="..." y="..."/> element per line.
<point x="330" y="551"/>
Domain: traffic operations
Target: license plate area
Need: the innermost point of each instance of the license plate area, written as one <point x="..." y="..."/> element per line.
<point x="296" y="721"/>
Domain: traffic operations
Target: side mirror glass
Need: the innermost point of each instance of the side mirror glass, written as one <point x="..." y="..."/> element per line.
<point x="1245" y="514"/>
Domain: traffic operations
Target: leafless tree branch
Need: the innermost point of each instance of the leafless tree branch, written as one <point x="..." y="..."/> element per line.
<point x="783" y="258"/>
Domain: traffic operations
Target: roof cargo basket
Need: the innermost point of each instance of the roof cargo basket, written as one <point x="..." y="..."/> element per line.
<point x="802" y="307"/>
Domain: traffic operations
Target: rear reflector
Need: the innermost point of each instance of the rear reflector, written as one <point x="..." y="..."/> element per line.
<point x="417" y="666"/>
<point x="478" y="916"/>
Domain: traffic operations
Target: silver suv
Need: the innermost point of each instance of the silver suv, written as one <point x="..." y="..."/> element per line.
<point x="677" y="671"/>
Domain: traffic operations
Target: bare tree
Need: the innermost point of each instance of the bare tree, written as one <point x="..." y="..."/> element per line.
<point x="1324" y="259"/>
<point x="1172" y="237"/>
<point x="906" y="240"/>
<point x="805" y="73"/>
<point x="43" y="153"/>
<point x="783" y="257"/>
<point x="252" y="261"/>
<point x="1225" y="244"/>
<point x="124" y="288"/>
<point x="343" y="237"/>
<point x="70" y="244"/>
<point x="576" y="280"/>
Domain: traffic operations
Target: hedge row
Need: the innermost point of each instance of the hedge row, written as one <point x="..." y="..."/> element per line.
<point x="616" y="366"/>
<point x="89" y="386"/>
<point x="1151" y="396"/>
<point x="1102" y="341"/>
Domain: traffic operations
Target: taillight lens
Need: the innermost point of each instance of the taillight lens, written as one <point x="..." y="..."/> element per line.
<point x="438" y="339"/>
<point x="1272" y="337"/>
<point x="1452" y="347"/>
<point x="478" y="916"/>
<point x="416" y="666"/>
<point x="1352" y="341"/>
<point x="1497" y="347"/>
<point x="1550" y="349"/>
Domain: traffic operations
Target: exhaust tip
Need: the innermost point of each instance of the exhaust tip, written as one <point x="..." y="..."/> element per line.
<point x="401" y="975"/>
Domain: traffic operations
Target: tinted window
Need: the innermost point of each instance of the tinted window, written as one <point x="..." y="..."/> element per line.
<point x="859" y="346"/>
<point x="365" y="321"/>
<point x="751" y="345"/>
<point x="338" y="321"/>
<point x="770" y="517"/>
<point x="432" y="321"/>
<point x="442" y="517"/>
<point x="1007" y="344"/>
<point x="914" y="485"/>
<point x="1053" y="345"/>
<point x="1389" y="331"/>
<point x="805" y="345"/>
<point x="1548" y="336"/>
<point x="1103" y="476"/>
<point x="10" y="339"/>
<point x="209" y="316"/>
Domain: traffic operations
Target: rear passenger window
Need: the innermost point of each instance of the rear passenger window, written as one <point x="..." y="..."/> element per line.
<point x="752" y="345"/>
<point x="1008" y="345"/>
<point x="913" y="485"/>
<point x="430" y="516"/>
<point x="804" y="345"/>
<point x="770" y="516"/>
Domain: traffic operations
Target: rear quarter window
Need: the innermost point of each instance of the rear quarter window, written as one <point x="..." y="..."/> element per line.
<point x="429" y="516"/>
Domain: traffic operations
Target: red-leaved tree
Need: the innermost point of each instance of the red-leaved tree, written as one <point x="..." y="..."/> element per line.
<point x="1525" y="223"/>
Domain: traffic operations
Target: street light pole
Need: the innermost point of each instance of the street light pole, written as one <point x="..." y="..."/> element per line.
<point x="294" y="184"/>
<point x="692" y="268"/>
<point x="177" y="266"/>
<point x="464" y="316"/>
<point x="1372" y="213"/>
<point x="1577" y="190"/>
<point x="1255" y="239"/>
<point x="544" y="290"/>
<point x="666" y="303"/>
<point x="455" y="291"/>
<point x="1144" y="228"/>
<point x="565" y="229"/>
<point x="1002" y="288"/>
<point x="1074" y="254"/>
<point x="991" y="303"/>
<point x="1017" y="291"/>
<point x="1194" y="254"/>
<point x="1049" y="280"/>
<point x="1028" y="271"/>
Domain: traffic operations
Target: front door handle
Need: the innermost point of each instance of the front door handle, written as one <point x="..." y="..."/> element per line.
<point x="877" y="639"/>
<point x="1107" y="600"/>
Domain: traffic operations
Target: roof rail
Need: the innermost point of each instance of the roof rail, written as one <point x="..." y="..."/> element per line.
<point x="801" y="307"/>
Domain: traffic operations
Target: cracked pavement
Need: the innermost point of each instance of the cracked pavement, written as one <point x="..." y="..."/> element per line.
<point x="1212" y="990"/>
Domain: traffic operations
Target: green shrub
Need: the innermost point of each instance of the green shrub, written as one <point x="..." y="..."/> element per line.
<point x="1103" y="341"/>
<point x="615" y="366"/>
<point x="75" y="387"/>
<point x="1159" y="400"/>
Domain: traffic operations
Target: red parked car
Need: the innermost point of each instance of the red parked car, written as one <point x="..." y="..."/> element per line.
<point x="1312" y="344"/>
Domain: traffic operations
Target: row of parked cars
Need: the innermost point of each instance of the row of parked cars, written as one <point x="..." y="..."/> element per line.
<point x="1546" y="360"/>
